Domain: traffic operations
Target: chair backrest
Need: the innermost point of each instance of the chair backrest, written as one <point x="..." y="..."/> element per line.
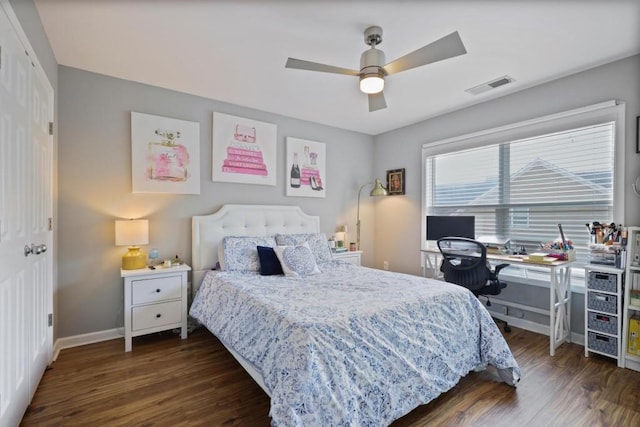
<point x="465" y="262"/>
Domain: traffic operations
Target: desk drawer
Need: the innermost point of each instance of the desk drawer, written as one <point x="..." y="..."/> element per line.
<point x="156" y="289"/>
<point x="602" y="302"/>
<point x="154" y="315"/>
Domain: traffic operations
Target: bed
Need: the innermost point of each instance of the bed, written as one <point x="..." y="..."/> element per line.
<point x="332" y="343"/>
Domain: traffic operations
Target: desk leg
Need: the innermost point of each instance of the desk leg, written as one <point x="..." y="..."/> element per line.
<point x="560" y="308"/>
<point x="430" y="262"/>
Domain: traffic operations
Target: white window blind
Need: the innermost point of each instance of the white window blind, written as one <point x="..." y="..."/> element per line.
<point x="523" y="187"/>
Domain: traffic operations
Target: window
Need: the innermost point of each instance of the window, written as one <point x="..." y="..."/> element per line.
<point x="519" y="217"/>
<point x="522" y="188"/>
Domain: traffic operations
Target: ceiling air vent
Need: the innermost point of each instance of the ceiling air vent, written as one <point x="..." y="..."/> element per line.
<point x="495" y="83"/>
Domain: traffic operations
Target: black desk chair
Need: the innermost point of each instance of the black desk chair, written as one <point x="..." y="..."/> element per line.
<point x="464" y="262"/>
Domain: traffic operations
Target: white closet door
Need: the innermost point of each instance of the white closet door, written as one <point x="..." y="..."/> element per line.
<point x="25" y="207"/>
<point x="41" y="206"/>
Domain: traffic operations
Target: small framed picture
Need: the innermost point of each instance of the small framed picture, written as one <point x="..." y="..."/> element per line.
<point x="638" y="134"/>
<point x="395" y="182"/>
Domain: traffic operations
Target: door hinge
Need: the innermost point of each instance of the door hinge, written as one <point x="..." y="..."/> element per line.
<point x="50" y="128"/>
<point x="50" y="319"/>
<point x="50" y="224"/>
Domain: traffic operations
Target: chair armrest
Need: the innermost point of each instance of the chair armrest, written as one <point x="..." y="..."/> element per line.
<point x="500" y="267"/>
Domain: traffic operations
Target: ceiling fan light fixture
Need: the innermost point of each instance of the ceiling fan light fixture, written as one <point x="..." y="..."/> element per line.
<point x="371" y="72"/>
<point x="374" y="67"/>
<point x="372" y="82"/>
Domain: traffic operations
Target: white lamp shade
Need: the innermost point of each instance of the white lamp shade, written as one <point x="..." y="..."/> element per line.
<point x="132" y="232"/>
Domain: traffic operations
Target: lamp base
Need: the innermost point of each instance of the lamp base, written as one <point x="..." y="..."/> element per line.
<point x="134" y="259"/>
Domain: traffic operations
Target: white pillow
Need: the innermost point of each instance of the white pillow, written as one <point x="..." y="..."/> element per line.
<point x="240" y="253"/>
<point x="318" y="244"/>
<point x="297" y="261"/>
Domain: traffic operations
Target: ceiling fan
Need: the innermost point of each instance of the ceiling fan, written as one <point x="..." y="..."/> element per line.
<point x="373" y="69"/>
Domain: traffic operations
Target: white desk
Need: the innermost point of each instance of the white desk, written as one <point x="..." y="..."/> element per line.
<point x="559" y="290"/>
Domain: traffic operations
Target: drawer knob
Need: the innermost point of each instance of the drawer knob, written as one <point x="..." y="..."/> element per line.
<point x="158" y="315"/>
<point x="158" y="290"/>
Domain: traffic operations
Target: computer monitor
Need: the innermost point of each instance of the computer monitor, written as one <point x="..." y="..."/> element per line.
<point x="450" y="226"/>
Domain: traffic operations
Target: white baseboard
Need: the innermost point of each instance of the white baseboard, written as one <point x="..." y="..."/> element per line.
<point x="84" y="339"/>
<point x="94" y="337"/>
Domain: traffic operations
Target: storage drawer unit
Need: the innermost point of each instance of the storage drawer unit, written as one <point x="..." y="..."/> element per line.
<point x="603" y="307"/>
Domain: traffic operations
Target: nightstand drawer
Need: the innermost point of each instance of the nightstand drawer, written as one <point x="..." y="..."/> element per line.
<point x="156" y="289"/>
<point x="352" y="257"/>
<point x="154" y="315"/>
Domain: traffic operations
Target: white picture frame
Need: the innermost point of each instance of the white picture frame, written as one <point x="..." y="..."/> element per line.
<point x="310" y="178"/>
<point x="165" y="155"/>
<point x="243" y="150"/>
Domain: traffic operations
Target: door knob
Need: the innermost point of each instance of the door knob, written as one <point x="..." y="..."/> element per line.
<point x="34" y="249"/>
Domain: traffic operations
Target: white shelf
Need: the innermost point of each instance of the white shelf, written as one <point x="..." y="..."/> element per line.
<point x="629" y="360"/>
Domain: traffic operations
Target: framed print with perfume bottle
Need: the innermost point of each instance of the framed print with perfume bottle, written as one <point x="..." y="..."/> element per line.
<point x="165" y="155"/>
<point x="305" y="168"/>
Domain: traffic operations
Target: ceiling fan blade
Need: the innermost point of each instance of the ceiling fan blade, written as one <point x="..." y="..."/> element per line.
<point x="376" y="102"/>
<point x="299" y="64"/>
<point x="444" y="48"/>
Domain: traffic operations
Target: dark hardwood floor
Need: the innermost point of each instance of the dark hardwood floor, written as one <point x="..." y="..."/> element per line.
<point x="166" y="381"/>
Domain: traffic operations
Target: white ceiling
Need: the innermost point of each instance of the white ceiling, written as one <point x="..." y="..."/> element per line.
<point x="235" y="51"/>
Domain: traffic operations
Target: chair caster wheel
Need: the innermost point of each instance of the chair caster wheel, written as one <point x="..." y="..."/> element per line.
<point x="507" y="328"/>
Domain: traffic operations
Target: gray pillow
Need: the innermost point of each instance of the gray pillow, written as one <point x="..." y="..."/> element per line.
<point x="317" y="243"/>
<point x="240" y="253"/>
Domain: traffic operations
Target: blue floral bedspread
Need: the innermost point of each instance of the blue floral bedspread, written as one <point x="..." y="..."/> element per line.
<point x="352" y="346"/>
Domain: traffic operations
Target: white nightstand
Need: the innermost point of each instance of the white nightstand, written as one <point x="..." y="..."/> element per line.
<point x="352" y="257"/>
<point x="154" y="301"/>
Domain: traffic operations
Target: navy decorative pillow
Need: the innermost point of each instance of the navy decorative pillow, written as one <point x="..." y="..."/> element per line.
<point x="269" y="263"/>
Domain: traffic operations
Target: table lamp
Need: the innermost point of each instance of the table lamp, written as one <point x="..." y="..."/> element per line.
<point x="133" y="233"/>
<point x="378" y="190"/>
<point x="341" y="233"/>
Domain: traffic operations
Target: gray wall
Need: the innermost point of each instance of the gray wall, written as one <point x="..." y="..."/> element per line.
<point x="95" y="187"/>
<point x="94" y="167"/>
<point x="398" y="219"/>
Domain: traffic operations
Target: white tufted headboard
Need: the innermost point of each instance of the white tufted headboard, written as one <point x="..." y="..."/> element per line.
<point x="241" y="220"/>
